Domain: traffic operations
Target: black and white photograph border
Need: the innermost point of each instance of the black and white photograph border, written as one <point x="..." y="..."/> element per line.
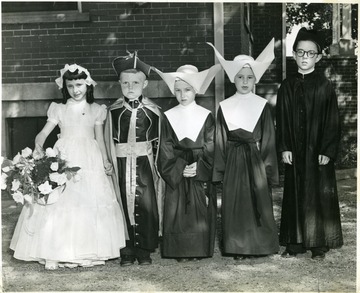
<point x="28" y="87"/>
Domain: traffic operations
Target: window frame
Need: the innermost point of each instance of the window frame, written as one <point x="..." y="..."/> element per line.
<point x="45" y="16"/>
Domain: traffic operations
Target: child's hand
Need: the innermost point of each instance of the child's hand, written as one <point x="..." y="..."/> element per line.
<point x="190" y="170"/>
<point x="38" y="152"/>
<point x="323" y="160"/>
<point x="287" y="157"/>
<point x="108" y="167"/>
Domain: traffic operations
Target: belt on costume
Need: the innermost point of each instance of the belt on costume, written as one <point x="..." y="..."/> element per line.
<point x="132" y="149"/>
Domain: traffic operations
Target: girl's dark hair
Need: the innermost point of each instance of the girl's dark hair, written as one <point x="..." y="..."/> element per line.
<point x="68" y="75"/>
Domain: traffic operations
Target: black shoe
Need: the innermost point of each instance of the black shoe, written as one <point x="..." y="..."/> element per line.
<point x="127" y="260"/>
<point x="241" y="257"/>
<point x="288" y="254"/>
<point x="144" y="261"/>
<point x="194" y="259"/>
<point x="182" y="259"/>
<point x="318" y="255"/>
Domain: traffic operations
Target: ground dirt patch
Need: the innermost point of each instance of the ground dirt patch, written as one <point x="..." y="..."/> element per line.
<point x="336" y="273"/>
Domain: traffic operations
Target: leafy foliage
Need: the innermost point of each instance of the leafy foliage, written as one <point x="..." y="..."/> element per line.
<point x="318" y="16"/>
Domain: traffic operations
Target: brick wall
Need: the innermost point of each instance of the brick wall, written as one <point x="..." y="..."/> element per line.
<point x="166" y="35"/>
<point x="266" y="24"/>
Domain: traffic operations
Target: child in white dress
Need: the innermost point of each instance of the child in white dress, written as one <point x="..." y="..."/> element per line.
<point x="85" y="226"/>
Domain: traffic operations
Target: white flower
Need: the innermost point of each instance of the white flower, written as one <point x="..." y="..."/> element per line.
<point x="3" y="181"/>
<point x="28" y="198"/>
<point x="6" y="169"/>
<point x="26" y="152"/>
<point x="60" y="179"/>
<point x="15" y="185"/>
<point x="17" y="158"/>
<point x="2" y="160"/>
<point x="18" y="197"/>
<point x="54" y="166"/>
<point x="50" y="152"/>
<point x="45" y="188"/>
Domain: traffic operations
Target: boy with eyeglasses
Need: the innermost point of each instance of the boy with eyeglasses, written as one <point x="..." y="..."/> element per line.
<point x="308" y="134"/>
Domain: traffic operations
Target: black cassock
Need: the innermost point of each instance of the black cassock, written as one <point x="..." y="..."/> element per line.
<point x="308" y="125"/>
<point x="190" y="203"/>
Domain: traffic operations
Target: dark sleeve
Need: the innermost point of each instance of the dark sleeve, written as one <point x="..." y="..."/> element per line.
<point x="329" y="142"/>
<point x="206" y="157"/>
<point x="170" y="165"/>
<point x="220" y="148"/>
<point x="283" y="119"/>
<point x="267" y="147"/>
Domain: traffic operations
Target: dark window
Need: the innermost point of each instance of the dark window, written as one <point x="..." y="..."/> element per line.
<point x="37" y="6"/>
<point x="22" y="131"/>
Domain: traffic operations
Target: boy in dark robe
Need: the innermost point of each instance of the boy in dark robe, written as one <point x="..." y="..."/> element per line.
<point x="308" y="134"/>
<point x="131" y="134"/>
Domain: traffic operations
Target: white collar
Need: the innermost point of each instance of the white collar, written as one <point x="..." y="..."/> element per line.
<point x="242" y="111"/>
<point x="187" y="121"/>
<point x="306" y="72"/>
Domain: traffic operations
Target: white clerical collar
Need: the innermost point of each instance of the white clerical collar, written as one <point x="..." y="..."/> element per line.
<point x="306" y="71"/>
<point x="242" y="111"/>
<point x="187" y="121"/>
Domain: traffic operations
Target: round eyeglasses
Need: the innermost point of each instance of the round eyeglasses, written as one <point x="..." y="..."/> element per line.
<point x="310" y="54"/>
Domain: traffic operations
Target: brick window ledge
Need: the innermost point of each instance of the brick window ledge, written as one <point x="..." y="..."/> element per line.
<point x="44" y="16"/>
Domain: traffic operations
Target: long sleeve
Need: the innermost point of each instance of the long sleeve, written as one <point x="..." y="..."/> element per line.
<point x="331" y="127"/>
<point x="205" y="159"/>
<point x="283" y="123"/>
<point x="267" y="147"/>
<point x="220" y="148"/>
<point x="170" y="165"/>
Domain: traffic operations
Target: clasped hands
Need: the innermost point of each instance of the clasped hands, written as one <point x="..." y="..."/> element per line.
<point x="190" y="170"/>
<point x="287" y="158"/>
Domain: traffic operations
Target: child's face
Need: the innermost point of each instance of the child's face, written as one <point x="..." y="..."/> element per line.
<point x="245" y="80"/>
<point x="77" y="89"/>
<point x="184" y="93"/>
<point x="132" y="84"/>
<point x="306" y="63"/>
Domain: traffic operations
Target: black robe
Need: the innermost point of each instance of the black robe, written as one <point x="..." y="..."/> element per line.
<point x="308" y="125"/>
<point x="190" y="203"/>
<point x="247" y="164"/>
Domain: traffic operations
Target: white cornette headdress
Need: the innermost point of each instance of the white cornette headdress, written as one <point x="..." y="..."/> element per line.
<point x="72" y="68"/>
<point x="258" y="66"/>
<point x="200" y="81"/>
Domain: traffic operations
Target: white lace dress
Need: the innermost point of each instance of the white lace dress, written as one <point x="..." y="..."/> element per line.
<point x="85" y="226"/>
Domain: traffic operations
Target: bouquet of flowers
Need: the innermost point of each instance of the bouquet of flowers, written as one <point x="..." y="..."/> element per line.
<point x="33" y="179"/>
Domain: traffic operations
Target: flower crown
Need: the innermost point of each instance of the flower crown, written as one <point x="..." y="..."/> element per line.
<point x="72" y="68"/>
